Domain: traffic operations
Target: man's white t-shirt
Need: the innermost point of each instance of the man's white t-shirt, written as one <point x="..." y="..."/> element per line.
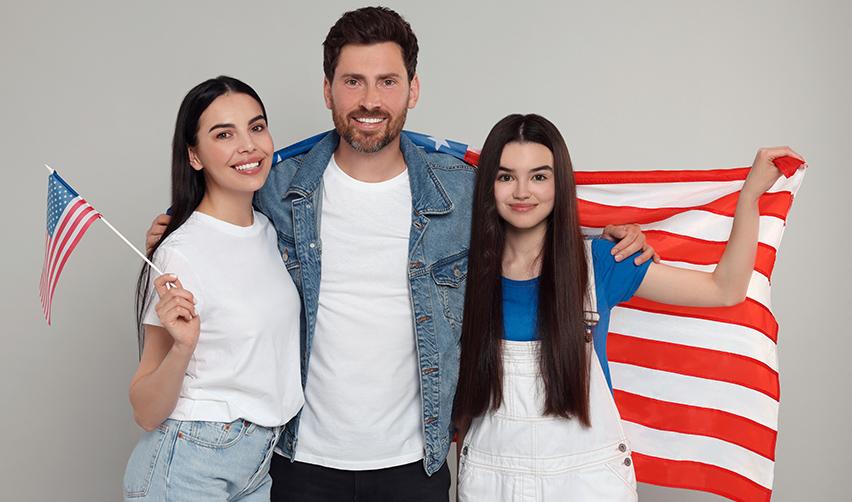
<point x="246" y="363"/>
<point x="362" y="399"/>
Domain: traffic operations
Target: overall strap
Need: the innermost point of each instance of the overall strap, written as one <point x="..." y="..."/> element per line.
<point x="591" y="303"/>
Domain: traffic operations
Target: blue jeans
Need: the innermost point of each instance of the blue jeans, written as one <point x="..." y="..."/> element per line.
<point x="193" y="460"/>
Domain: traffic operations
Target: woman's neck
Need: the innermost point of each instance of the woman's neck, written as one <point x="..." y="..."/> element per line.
<point x="522" y="250"/>
<point x="232" y="207"/>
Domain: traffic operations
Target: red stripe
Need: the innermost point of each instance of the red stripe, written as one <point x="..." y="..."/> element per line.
<point x="55" y="281"/>
<point x="749" y="313"/>
<point x="693" y="361"/>
<point x="62" y="224"/>
<point x="676" y="247"/>
<point x="68" y="234"/>
<point x="471" y="157"/>
<point x="686" y="419"/>
<point x="677" y="176"/>
<point x="698" y="476"/>
<point x="593" y="214"/>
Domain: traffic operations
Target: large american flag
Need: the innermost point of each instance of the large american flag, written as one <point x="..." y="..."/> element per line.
<point x="68" y="218"/>
<point x="697" y="388"/>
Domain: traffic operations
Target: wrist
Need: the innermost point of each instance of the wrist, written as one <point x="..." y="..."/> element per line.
<point x="182" y="349"/>
<point x="748" y="197"/>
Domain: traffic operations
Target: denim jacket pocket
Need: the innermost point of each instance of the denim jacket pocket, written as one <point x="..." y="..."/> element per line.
<point x="142" y="462"/>
<point x="214" y="434"/>
<point x="449" y="275"/>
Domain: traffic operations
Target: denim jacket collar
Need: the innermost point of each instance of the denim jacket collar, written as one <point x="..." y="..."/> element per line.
<point x="428" y="196"/>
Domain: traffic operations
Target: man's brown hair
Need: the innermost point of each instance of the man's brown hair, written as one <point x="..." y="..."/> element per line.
<point x="365" y="26"/>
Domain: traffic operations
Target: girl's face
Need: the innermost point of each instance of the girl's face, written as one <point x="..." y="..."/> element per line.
<point x="524" y="189"/>
<point x="234" y="146"/>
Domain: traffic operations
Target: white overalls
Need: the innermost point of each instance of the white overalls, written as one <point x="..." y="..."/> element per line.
<point x="516" y="454"/>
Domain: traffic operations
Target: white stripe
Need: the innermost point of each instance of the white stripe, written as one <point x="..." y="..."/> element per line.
<point x="715" y="227"/>
<point x="658" y="195"/>
<point x="709" y="226"/>
<point x="694" y="391"/>
<point x="758" y="287"/>
<point x="700" y="333"/>
<point x="674" y="194"/>
<point x="790" y="184"/>
<point x="694" y="448"/>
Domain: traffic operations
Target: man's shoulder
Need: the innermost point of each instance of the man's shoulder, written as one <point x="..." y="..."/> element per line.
<point x="281" y="173"/>
<point x="446" y="162"/>
<point x="454" y="174"/>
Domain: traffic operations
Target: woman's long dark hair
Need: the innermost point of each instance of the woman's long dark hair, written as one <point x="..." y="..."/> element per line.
<point x="187" y="183"/>
<point x="563" y="358"/>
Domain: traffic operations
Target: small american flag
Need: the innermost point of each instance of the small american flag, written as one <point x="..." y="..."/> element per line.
<point x="68" y="218"/>
<point x="697" y="388"/>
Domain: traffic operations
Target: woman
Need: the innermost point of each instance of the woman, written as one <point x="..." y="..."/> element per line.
<point x="536" y="418"/>
<point x="219" y="369"/>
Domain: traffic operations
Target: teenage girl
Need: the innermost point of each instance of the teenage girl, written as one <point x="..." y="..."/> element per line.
<point x="536" y="417"/>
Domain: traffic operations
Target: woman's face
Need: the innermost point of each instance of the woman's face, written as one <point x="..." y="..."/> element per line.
<point x="524" y="188"/>
<point x="234" y="147"/>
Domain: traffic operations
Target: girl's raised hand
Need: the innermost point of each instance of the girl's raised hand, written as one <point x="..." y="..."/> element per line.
<point x="764" y="173"/>
<point x="176" y="310"/>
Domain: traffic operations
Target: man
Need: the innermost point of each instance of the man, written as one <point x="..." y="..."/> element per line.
<point x="374" y="232"/>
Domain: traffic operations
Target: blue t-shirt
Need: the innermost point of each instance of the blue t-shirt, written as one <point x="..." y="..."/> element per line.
<point x="615" y="282"/>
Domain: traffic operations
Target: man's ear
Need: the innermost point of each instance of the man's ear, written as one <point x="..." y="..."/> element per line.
<point x="414" y="91"/>
<point x="326" y="93"/>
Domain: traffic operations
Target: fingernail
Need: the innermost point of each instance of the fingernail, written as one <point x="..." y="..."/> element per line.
<point x="618" y="257"/>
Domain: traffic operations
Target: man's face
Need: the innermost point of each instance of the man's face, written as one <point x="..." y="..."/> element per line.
<point x="370" y="95"/>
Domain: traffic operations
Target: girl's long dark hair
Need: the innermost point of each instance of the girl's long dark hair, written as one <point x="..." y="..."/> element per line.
<point x="564" y="363"/>
<point x="187" y="184"/>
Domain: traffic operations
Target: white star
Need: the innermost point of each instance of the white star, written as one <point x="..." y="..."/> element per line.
<point x="439" y="142"/>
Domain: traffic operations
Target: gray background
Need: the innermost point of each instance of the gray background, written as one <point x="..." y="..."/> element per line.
<point x="93" y="88"/>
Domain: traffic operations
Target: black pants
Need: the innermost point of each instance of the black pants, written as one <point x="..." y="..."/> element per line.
<point x="301" y="482"/>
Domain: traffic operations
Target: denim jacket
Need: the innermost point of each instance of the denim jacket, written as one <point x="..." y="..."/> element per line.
<point x="442" y="193"/>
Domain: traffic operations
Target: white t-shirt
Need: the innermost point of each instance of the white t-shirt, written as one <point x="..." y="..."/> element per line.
<point x="362" y="400"/>
<point x="246" y="363"/>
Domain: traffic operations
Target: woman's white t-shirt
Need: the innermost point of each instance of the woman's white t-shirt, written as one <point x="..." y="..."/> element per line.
<point x="246" y="363"/>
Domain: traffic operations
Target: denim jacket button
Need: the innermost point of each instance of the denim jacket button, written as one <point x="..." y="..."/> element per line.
<point x="457" y="272"/>
<point x="627" y="461"/>
<point x="464" y="451"/>
<point x="622" y="447"/>
<point x="285" y="255"/>
<point x="312" y="245"/>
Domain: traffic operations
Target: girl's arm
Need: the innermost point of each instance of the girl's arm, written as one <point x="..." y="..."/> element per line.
<point x="167" y="350"/>
<point x="728" y="284"/>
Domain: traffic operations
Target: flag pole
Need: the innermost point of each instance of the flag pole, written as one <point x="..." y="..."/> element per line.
<point x="119" y="234"/>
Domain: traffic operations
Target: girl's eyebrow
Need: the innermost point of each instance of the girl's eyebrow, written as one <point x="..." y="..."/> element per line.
<point x="534" y="170"/>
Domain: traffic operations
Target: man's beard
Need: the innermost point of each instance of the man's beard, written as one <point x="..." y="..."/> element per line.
<point x="375" y="140"/>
